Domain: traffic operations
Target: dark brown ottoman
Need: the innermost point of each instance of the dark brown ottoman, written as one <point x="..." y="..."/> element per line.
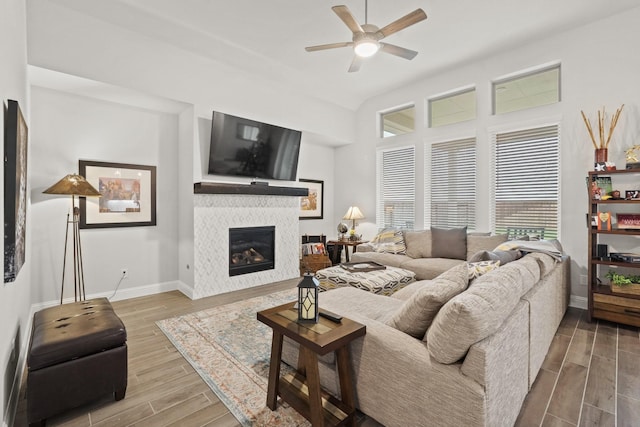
<point x="77" y="354"/>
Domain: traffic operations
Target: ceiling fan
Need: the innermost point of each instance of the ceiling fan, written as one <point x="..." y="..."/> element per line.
<point x="366" y="37"/>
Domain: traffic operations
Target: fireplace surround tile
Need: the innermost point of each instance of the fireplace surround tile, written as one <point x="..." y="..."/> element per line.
<point x="214" y="214"/>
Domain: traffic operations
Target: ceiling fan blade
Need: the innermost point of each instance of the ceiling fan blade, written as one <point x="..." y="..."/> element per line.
<point x="356" y="63"/>
<point x="402" y="23"/>
<point x="327" y="46"/>
<point x="398" y="51"/>
<point x="346" y="16"/>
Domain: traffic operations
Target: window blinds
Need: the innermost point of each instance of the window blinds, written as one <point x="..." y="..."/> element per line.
<point x="526" y="180"/>
<point x="396" y="173"/>
<point x="452" y="202"/>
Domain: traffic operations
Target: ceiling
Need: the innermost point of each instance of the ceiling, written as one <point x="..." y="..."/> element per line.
<point x="268" y="37"/>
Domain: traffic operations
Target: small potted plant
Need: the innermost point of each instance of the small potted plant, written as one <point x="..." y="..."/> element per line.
<point x="625" y="284"/>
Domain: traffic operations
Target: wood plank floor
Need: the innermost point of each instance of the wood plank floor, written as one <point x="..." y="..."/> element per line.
<point x="591" y="376"/>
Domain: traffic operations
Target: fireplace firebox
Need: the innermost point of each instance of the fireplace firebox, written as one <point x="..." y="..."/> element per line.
<point x="251" y="249"/>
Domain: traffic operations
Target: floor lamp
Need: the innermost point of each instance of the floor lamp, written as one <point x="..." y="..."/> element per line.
<point x="75" y="186"/>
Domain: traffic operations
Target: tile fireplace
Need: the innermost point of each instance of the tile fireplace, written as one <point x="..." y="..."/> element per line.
<point x="217" y="215"/>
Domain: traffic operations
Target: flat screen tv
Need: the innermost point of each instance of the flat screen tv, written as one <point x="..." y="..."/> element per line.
<point x="243" y="147"/>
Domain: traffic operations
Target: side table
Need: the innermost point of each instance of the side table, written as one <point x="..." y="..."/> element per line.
<point x="302" y="391"/>
<point x="345" y="244"/>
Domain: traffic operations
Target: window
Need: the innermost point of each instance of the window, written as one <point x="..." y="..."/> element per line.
<point x="452" y="202"/>
<point x="396" y="176"/>
<point x="526" y="175"/>
<point x="529" y="90"/>
<point x="398" y="122"/>
<point x="452" y="108"/>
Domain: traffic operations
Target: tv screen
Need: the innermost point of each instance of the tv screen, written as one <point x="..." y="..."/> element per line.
<point x="243" y="147"/>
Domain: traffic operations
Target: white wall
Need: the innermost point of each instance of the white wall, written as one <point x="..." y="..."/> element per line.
<point x="69" y="127"/>
<point x="599" y="68"/>
<point x="64" y="40"/>
<point x="15" y="297"/>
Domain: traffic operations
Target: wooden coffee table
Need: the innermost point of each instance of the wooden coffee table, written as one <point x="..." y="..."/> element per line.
<point x="302" y="391"/>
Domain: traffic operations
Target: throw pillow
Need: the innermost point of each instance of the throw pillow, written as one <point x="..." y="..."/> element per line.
<point x="449" y="243"/>
<point x="473" y="315"/>
<point x="477" y="243"/>
<point x="418" y="243"/>
<point x="415" y="316"/>
<point x="477" y="269"/>
<point x="389" y="241"/>
<point x="504" y="257"/>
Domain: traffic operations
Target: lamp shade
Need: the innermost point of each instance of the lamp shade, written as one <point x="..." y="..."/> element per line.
<point x="353" y="213"/>
<point x="72" y="185"/>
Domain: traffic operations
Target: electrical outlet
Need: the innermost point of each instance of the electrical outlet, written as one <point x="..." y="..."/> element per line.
<point x="125" y="273"/>
<point x="583" y="279"/>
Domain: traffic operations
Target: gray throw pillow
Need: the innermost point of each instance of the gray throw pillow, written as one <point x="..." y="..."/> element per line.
<point x="503" y="256"/>
<point x="449" y="243"/>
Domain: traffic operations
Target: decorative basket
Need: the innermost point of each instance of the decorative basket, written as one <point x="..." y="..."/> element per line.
<point x="313" y="263"/>
<point x="633" y="288"/>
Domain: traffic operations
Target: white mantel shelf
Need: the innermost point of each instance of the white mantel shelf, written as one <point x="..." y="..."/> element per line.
<point x="252" y="189"/>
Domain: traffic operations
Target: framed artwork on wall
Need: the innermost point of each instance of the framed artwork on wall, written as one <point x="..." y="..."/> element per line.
<point x="15" y="190"/>
<point x="128" y="195"/>
<point x="312" y="206"/>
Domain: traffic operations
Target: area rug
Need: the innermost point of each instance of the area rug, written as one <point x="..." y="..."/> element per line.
<point x="231" y="349"/>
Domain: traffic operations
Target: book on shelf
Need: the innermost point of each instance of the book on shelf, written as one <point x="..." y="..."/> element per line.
<point x="625" y="256"/>
<point x="604" y="221"/>
<point x="628" y="221"/>
<point x="599" y="186"/>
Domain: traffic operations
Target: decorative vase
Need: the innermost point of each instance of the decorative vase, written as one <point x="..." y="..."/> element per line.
<point x="602" y="155"/>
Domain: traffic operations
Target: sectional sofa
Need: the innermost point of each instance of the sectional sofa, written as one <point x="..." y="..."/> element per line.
<point x="428" y="253"/>
<point x="450" y="351"/>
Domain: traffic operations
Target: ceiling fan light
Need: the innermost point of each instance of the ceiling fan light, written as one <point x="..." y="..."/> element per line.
<point x="366" y="48"/>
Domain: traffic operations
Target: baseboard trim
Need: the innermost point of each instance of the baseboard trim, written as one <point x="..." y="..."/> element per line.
<point x="185" y="289"/>
<point x="578" y="302"/>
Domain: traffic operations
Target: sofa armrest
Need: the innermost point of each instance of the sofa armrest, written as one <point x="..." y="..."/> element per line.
<point x="500" y="363"/>
<point x="397" y="381"/>
<point x="365" y="247"/>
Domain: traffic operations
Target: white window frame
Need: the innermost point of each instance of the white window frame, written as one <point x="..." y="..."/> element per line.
<point x="431" y="171"/>
<point x="381" y="215"/>
<point x="553" y="163"/>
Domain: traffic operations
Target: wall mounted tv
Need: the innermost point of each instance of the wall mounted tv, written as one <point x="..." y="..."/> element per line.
<point x="243" y="147"/>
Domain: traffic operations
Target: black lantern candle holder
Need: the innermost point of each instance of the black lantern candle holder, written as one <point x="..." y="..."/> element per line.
<point x="308" y="299"/>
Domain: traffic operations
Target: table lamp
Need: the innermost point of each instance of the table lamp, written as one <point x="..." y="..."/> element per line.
<point x="353" y="213"/>
<point x="73" y="185"/>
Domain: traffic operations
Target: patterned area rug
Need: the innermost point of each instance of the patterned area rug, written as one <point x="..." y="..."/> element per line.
<point x="230" y="350"/>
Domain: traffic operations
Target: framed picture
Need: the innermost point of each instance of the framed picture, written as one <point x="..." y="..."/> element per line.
<point x="632" y="195"/>
<point x="15" y="190"/>
<point x="128" y="195"/>
<point x="311" y="206"/>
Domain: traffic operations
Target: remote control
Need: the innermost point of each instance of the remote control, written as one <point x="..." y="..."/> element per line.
<point x="331" y="316"/>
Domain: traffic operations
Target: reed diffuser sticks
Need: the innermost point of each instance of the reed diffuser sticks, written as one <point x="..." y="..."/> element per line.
<point x="604" y="143"/>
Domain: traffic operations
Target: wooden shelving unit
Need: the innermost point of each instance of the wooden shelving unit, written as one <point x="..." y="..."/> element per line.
<point x="603" y="302"/>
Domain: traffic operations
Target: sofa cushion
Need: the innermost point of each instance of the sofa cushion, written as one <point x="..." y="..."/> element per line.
<point x="418" y="243"/>
<point x="474" y="314"/>
<point x="477" y="269"/>
<point x="345" y="301"/>
<point x="449" y="243"/>
<point x="504" y="257"/>
<point x="391" y="260"/>
<point x="476" y="243"/>
<point x="408" y="291"/>
<point x="428" y="268"/>
<point x="391" y="241"/>
<point x="417" y="313"/>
